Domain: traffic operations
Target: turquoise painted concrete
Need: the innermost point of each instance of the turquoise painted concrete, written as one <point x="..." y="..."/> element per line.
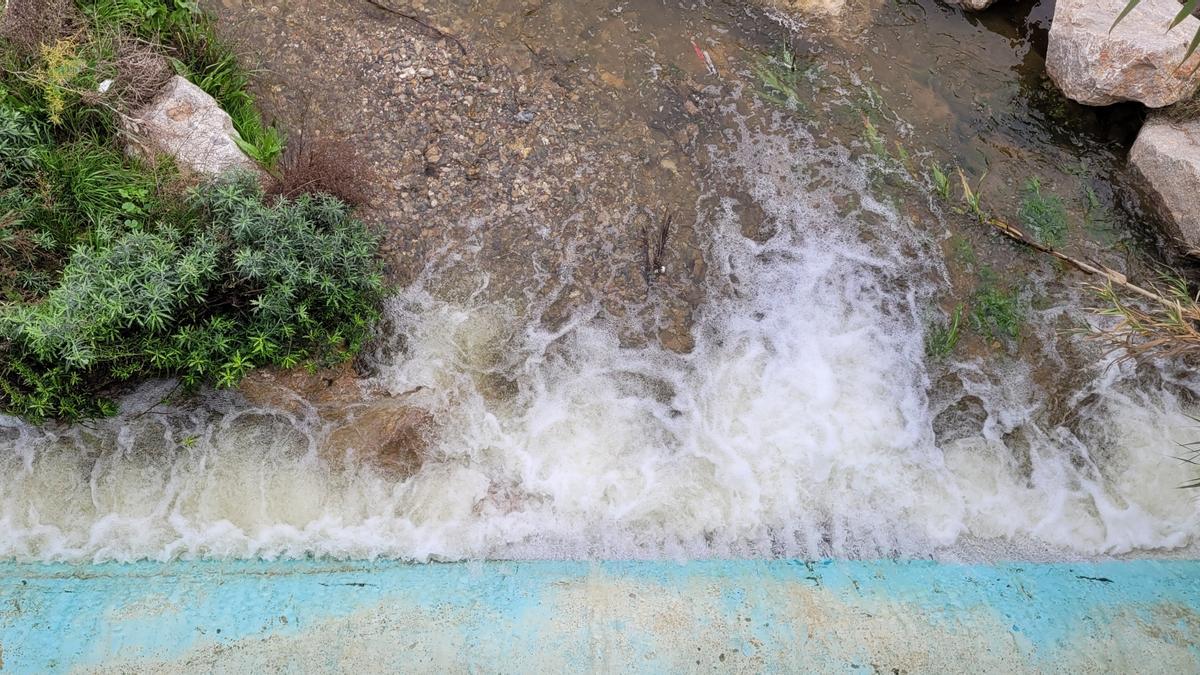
<point x="747" y="616"/>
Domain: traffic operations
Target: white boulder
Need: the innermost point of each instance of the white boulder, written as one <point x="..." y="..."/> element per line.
<point x="189" y="125"/>
<point x="1166" y="155"/>
<point x="1139" y="60"/>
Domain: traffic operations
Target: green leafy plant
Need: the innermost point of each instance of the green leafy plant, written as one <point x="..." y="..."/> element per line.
<point x="941" y="182"/>
<point x="1044" y="214"/>
<point x="286" y="284"/>
<point x="874" y="138"/>
<point x="973" y="197"/>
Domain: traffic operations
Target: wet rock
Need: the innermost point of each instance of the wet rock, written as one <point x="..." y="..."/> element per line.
<point x="820" y="7"/>
<point x="385" y="434"/>
<point x="752" y="220"/>
<point x="1139" y="60"/>
<point x="1166" y="156"/>
<point x="365" y="426"/>
<point x="964" y="419"/>
<point x="188" y="125"/>
<point x="299" y="392"/>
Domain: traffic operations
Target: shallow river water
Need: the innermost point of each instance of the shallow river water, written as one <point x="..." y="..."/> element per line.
<point x="808" y="421"/>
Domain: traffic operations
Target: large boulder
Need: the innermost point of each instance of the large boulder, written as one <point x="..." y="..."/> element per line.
<point x="1139" y="60"/>
<point x="187" y="124"/>
<point x="1166" y="155"/>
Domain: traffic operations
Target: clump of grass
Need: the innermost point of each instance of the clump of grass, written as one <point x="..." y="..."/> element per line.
<point x="972" y="198"/>
<point x="996" y="313"/>
<point x="1093" y="209"/>
<point x="942" y="337"/>
<point x="940" y="181"/>
<point x="1167" y="326"/>
<point x="874" y="139"/>
<point x="1044" y="214"/>
<point x="963" y="251"/>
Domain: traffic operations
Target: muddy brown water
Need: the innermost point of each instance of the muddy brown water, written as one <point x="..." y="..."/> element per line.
<point x="758" y="385"/>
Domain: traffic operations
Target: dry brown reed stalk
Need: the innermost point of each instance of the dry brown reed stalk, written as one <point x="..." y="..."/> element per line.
<point x="1167" y="326"/>
<point x="654" y="241"/>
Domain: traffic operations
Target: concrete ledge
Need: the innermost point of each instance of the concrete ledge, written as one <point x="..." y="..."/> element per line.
<point x="778" y="616"/>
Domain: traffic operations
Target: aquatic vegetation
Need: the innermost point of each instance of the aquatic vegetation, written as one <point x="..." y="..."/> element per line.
<point x="1168" y="325"/>
<point x="996" y="313"/>
<point x="963" y="251"/>
<point x="973" y="197"/>
<point x="780" y="76"/>
<point x="941" y="182"/>
<point x="942" y="337"/>
<point x="874" y="138"/>
<point x="1044" y="214"/>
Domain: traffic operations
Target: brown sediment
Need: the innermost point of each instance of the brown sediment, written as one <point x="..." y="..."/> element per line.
<point x="493" y="167"/>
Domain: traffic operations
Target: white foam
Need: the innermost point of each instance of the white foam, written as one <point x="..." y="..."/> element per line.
<point x="799" y="426"/>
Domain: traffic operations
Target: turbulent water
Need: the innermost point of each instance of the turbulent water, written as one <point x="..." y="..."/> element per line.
<point x="801" y="425"/>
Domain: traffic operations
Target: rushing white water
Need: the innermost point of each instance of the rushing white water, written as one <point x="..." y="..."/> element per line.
<point x="801" y="425"/>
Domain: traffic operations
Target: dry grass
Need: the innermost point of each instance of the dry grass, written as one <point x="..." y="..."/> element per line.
<point x="1167" y="326"/>
<point x="141" y="70"/>
<point x="28" y="24"/>
<point x="322" y="166"/>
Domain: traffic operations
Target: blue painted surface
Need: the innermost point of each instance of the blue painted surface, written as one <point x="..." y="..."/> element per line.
<point x="773" y="616"/>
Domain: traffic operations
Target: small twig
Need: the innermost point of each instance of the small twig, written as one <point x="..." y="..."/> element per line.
<point x="1097" y="269"/>
<point x="656" y="246"/>
<point x="420" y="22"/>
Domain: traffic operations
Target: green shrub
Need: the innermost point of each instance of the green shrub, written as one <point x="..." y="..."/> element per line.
<point x="52" y="195"/>
<point x="111" y="271"/>
<point x="287" y="284"/>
